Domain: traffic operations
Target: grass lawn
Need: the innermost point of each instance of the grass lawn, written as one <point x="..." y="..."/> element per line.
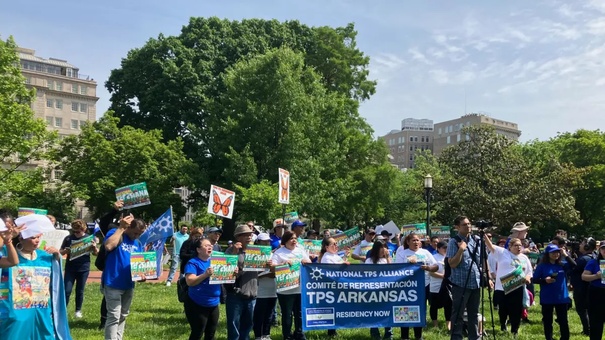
<point x="157" y="314"/>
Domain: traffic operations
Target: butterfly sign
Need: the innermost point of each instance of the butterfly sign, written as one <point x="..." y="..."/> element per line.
<point x="284" y="186"/>
<point x="221" y="201"/>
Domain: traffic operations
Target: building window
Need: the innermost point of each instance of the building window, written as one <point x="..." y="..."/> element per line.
<point x="50" y="84"/>
<point x="83" y="90"/>
<point x="458" y="138"/>
<point x="74" y="106"/>
<point x="439" y="130"/>
<point x="74" y="124"/>
<point x="58" y="122"/>
<point x="82" y="123"/>
<point x="28" y="80"/>
<point x="448" y="139"/>
<point x="49" y="103"/>
<point x="49" y="121"/>
<point x="69" y="72"/>
<point x="59" y="86"/>
<point x="74" y="88"/>
<point x="411" y="148"/>
<point x="59" y="104"/>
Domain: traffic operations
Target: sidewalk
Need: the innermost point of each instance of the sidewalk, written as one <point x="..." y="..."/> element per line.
<point x="95" y="276"/>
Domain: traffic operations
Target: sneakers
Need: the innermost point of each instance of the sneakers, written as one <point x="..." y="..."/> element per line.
<point x="78" y="314"/>
<point x="168" y="283"/>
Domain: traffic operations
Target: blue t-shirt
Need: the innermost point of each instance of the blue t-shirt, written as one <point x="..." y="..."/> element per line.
<point x="203" y="294"/>
<point x="593" y="267"/>
<point x="117" y="264"/>
<point x="556" y="292"/>
<point x="179" y="239"/>
<point x="275" y="241"/>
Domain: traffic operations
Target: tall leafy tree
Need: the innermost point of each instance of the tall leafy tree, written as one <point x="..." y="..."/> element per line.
<point x="23" y="137"/>
<point x="487" y="176"/>
<point x="104" y="157"/>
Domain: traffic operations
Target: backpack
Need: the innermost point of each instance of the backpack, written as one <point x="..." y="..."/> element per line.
<point x="102" y="256"/>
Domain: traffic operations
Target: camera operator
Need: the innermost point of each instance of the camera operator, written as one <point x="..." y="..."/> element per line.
<point x="580" y="287"/>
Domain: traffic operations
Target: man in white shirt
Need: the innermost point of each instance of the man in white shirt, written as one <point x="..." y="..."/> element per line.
<point x="359" y="253"/>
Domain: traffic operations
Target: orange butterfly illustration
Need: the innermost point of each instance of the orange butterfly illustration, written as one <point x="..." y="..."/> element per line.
<point x="285" y="182"/>
<point x="218" y="205"/>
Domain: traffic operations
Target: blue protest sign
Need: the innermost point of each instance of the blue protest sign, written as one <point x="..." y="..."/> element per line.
<point x="362" y="296"/>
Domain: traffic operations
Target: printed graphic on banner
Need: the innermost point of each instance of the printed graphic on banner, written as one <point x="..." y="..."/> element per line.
<point x="533" y="258"/>
<point x="215" y="253"/>
<point x="80" y="247"/>
<point x="221" y="201"/>
<point x="602" y="267"/>
<point x="30" y="287"/>
<point x="256" y="258"/>
<point x="443" y="232"/>
<point x="53" y="238"/>
<point x="224" y="267"/>
<point x="513" y="280"/>
<point x="362" y="296"/>
<point x="291" y="217"/>
<point x="348" y="238"/>
<point x="143" y="265"/>
<point x="284" y="186"/>
<point x="133" y="195"/>
<point x="417" y="228"/>
<point x="287" y="276"/>
<point x="313" y="247"/>
<point x="30" y="211"/>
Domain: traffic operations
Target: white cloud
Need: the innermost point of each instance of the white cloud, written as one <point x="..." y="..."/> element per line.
<point x="417" y="55"/>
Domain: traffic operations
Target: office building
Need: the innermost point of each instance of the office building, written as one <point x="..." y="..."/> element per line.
<point x="415" y="134"/>
<point x="448" y="133"/>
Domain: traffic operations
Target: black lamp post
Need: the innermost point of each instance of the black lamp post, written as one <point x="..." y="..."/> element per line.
<point x="428" y="186"/>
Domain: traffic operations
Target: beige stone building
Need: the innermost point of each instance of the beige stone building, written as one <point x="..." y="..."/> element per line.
<point x="65" y="99"/>
<point x="448" y="133"/>
<point x="415" y="134"/>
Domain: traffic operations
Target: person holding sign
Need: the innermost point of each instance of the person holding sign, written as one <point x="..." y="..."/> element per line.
<point x="513" y="272"/>
<point x="34" y="304"/>
<point x="551" y="275"/>
<point x="266" y="297"/>
<point x="593" y="273"/>
<point x="118" y="287"/>
<point x="412" y="252"/>
<point x="360" y="251"/>
<point x="77" y="266"/>
<point x="329" y="254"/>
<point x="241" y="296"/>
<point x="202" y="300"/>
<point x="290" y="300"/>
<point x="379" y="254"/>
<point x="440" y="293"/>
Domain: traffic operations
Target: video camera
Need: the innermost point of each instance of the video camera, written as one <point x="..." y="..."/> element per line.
<point x="482" y="224"/>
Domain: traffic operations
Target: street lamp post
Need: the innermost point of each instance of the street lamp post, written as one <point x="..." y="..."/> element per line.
<point x="428" y="186"/>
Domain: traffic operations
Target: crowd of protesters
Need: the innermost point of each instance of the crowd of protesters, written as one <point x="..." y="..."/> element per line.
<point x="454" y="277"/>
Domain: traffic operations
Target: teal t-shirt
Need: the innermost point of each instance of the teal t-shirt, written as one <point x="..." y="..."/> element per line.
<point x="25" y="299"/>
<point x="179" y="239"/>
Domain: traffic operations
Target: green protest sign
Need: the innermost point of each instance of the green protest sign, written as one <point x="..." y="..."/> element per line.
<point x="256" y="258"/>
<point x="287" y="276"/>
<point x="513" y="280"/>
<point x="348" y="238"/>
<point x="81" y="247"/>
<point x="291" y="217"/>
<point x="313" y="247"/>
<point x="29" y="211"/>
<point x="533" y="258"/>
<point x="224" y="268"/>
<point x="143" y="265"/>
<point x="134" y="195"/>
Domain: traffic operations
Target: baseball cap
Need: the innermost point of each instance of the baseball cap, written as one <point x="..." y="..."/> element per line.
<point x="278" y="223"/>
<point x="215" y="230"/>
<point x="312" y="232"/>
<point x="263" y="237"/>
<point x="385" y="233"/>
<point x="298" y="223"/>
<point x="551" y="248"/>
<point x="602" y="244"/>
<point x="370" y="231"/>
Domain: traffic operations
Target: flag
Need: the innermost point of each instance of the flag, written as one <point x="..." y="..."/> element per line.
<point x="97" y="228"/>
<point x="156" y="235"/>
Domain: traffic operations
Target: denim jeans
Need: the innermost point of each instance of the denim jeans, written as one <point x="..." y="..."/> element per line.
<point x="240" y="311"/>
<point x="80" y="279"/>
<point x="290" y="305"/>
<point x="173" y="267"/>
<point x="118" y="306"/>
<point x="465" y="299"/>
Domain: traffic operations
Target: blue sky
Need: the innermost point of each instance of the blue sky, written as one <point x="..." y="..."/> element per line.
<point x="540" y="64"/>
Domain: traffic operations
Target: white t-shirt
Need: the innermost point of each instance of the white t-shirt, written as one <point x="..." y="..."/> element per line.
<point x="362" y="248"/>
<point x="381" y="260"/>
<point x="434" y="281"/>
<point x="331" y="258"/>
<point x="506" y="262"/>
<point x="283" y="255"/>
<point x="421" y="255"/>
<point x="492" y="263"/>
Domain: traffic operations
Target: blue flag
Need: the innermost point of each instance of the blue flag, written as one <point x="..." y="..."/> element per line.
<point x="156" y="235"/>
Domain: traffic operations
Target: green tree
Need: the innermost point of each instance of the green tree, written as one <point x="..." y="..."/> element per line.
<point x="23" y="137"/>
<point x="487" y="176"/>
<point x="104" y="157"/>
